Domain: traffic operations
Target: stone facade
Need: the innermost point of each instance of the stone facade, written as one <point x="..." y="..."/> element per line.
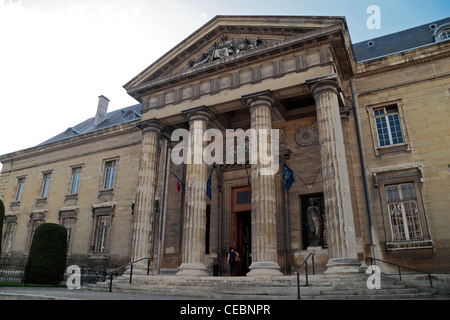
<point x="381" y="194"/>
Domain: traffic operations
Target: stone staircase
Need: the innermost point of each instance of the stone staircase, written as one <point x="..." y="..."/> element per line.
<point x="320" y="287"/>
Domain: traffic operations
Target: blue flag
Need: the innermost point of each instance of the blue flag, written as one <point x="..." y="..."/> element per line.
<point x="208" y="185"/>
<point x="288" y="178"/>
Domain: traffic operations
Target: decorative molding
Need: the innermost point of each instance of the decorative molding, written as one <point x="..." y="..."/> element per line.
<point x="401" y="65"/>
<point x="405" y="83"/>
<point x="224" y="49"/>
<point x="219" y="68"/>
<point x="306" y="136"/>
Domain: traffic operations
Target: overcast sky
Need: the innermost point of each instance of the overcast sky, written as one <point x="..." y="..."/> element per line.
<point x="58" y="56"/>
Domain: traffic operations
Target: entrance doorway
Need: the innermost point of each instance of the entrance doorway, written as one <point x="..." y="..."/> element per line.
<point x="242" y="228"/>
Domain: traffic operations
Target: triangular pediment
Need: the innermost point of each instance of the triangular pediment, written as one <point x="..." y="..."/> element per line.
<point x="226" y="38"/>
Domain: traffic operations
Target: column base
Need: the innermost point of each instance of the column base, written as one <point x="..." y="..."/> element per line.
<point x="343" y="265"/>
<point x="264" y="269"/>
<point x="192" y="270"/>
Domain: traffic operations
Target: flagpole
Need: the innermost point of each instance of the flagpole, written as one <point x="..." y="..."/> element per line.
<point x="162" y="206"/>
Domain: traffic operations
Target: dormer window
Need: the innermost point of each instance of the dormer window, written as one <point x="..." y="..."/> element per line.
<point x="442" y="32"/>
<point x="70" y="132"/>
<point x="131" y="115"/>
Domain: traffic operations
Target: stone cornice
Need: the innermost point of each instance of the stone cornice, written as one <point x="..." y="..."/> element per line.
<point x="214" y="70"/>
<point x="70" y="143"/>
<point x="404" y="83"/>
<point x="401" y="65"/>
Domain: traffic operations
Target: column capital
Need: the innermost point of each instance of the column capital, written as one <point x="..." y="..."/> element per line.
<point x="151" y="125"/>
<point x="264" y="98"/>
<point x="198" y="113"/>
<point x="328" y="83"/>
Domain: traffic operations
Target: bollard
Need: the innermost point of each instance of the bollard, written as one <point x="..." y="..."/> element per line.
<point x="110" y="282"/>
<point x="131" y="272"/>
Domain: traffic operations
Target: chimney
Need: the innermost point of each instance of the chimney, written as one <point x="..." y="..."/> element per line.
<point x="102" y="109"/>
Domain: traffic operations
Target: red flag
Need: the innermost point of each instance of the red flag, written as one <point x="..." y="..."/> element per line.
<point x="178" y="185"/>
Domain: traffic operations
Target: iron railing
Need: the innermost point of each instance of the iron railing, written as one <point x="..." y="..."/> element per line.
<point x="20" y="275"/>
<point x="116" y="271"/>
<point x="399" y="267"/>
<point x="305" y="263"/>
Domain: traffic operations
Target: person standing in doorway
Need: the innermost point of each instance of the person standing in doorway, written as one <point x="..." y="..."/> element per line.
<point x="232" y="259"/>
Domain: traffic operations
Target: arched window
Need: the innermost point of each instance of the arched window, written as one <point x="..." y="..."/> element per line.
<point x="442" y="32"/>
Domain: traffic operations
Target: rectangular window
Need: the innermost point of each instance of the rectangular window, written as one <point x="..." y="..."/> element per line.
<point x="243" y="197"/>
<point x="101" y="234"/>
<point x="8" y="236"/>
<point x="403" y="212"/>
<point x="68" y="223"/>
<point x="20" y="185"/>
<point x="34" y="225"/>
<point x="46" y="185"/>
<point x="110" y="172"/>
<point x="76" y="175"/>
<point x="388" y="126"/>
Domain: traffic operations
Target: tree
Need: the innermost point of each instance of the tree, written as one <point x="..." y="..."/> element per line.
<point x="47" y="259"/>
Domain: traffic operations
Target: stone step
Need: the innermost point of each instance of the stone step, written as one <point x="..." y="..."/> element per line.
<point x="408" y="296"/>
<point x="359" y="291"/>
<point x="320" y="287"/>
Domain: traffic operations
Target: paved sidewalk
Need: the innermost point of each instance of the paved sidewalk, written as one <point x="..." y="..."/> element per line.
<point x="33" y="293"/>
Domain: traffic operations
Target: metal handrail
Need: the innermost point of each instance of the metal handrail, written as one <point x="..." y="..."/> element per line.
<point x="111" y="272"/>
<point x="400" y="266"/>
<point x="305" y="262"/>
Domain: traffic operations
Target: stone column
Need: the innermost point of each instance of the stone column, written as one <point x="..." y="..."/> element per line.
<point x="145" y="194"/>
<point x="264" y="209"/>
<point x="194" y="223"/>
<point x="336" y="187"/>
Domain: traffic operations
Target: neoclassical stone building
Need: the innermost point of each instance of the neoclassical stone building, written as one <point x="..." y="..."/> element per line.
<point x="362" y="128"/>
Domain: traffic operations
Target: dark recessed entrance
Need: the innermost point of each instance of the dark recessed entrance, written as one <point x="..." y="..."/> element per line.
<point x="242" y="228"/>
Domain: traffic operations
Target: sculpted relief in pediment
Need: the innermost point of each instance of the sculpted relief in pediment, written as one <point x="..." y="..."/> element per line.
<point x="225" y="48"/>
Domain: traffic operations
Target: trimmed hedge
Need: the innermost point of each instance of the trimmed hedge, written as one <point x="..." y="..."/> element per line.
<point x="46" y="262"/>
<point x="2" y="217"/>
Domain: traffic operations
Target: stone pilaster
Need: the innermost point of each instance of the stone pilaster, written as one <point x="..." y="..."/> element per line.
<point x="194" y="223"/>
<point x="145" y="194"/>
<point x="264" y="208"/>
<point x="338" y="205"/>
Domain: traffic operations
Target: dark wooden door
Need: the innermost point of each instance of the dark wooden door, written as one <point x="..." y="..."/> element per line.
<point x="242" y="228"/>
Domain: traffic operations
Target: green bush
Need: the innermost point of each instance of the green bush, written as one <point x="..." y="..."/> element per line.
<point x="47" y="258"/>
<point x="2" y="217"/>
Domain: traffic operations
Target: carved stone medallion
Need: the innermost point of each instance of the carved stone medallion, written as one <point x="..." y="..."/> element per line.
<point x="306" y="136"/>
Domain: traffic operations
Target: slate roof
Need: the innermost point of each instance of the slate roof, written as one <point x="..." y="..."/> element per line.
<point x="113" y="118"/>
<point x="397" y="42"/>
